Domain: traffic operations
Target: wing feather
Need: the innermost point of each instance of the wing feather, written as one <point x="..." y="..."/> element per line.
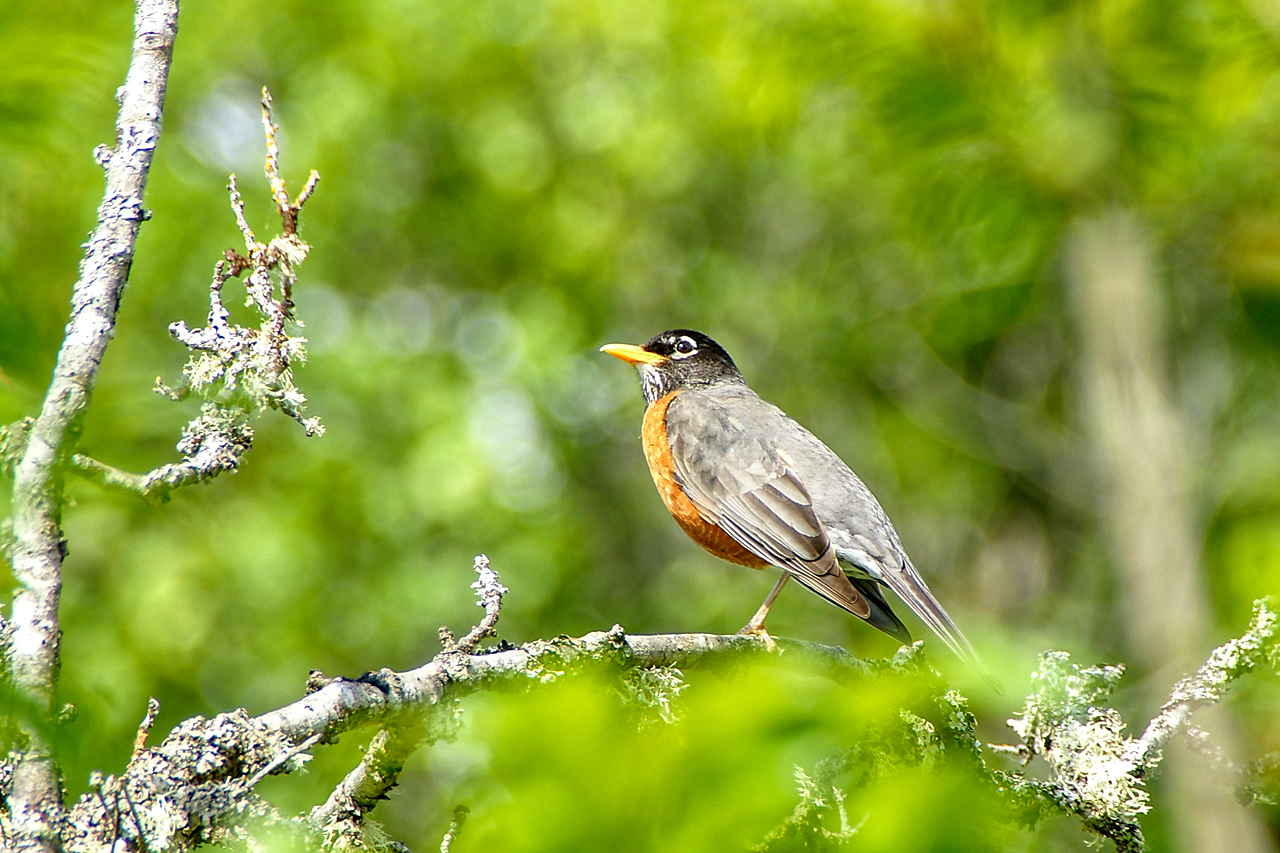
<point x="750" y="491"/>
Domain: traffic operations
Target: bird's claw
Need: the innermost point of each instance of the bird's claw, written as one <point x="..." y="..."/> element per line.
<point x="758" y="632"/>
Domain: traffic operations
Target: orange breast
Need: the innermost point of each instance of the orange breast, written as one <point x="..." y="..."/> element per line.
<point x="657" y="452"/>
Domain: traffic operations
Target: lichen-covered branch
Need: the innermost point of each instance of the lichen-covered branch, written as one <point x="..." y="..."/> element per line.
<point x="455" y="824"/>
<point x="235" y="370"/>
<point x="37" y="548"/>
<point x="340" y="819"/>
<point x="1227" y="663"/>
<point x="1099" y="773"/>
<point x="1096" y="772"/>
<point x="197" y="785"/>
<point x="489" y="592"/>
<point x="345" y="704"/>
<point x="194" y="787"/>
<point x="1083" y="742"/>
<point x="214" y="442"/>
<point x="251" y="368"/>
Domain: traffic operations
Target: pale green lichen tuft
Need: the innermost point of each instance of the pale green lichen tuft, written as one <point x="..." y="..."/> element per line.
<point x="13" y="444"/>
<point x="655" y="691"/>
<point x="1091" y="764"/>
<point x="1061" y="691"/>
<point x="237" y="367"/>
<point x="1064" y="720"/>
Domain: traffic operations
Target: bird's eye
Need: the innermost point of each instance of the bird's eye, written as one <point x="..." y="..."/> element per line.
<point x="685" y="346"/>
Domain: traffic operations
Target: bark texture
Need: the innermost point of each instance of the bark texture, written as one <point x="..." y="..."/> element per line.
<point x="38" y="547"/>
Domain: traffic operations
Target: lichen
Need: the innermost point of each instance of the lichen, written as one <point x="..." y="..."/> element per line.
<point x="655" y="691"/>
<point x="13" y="444"/>
<point x="238" y="367"/>
<point x="1083" y="742"/>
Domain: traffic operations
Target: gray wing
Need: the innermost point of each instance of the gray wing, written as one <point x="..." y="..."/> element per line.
<point x="865" y="539"/>
<point x="752" y="492"/>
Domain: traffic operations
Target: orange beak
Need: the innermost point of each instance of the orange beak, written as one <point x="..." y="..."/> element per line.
<point x="632" y="354"/>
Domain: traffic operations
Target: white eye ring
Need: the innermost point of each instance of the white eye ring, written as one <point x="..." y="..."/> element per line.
<point x="684" y="347"/>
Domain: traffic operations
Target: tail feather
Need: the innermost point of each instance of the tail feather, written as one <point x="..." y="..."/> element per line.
<point x="882" y="617"/>
<point x="910" y="587"/>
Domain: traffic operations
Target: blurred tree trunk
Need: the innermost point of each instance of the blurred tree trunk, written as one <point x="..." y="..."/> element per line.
<point x="1140" y="453"/>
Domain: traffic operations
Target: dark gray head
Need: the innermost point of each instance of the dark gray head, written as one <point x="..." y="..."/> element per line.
<point x="676" y="360"/>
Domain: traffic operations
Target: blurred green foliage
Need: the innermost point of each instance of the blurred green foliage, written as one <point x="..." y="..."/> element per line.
<point x="864" y="200"/>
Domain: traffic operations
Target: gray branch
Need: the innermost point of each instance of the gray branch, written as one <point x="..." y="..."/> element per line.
<point x="212" y="444"/>
<point x="459" y="818"/>
<point x="195" y="786"/>
<point x="342" y="815"/>
<point x="36" y="552"/>
<point x="377" y="697"/>
<point x="1207" y="687"/>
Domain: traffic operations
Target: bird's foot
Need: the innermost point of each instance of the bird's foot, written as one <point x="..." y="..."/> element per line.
<point x="757" y="631"/>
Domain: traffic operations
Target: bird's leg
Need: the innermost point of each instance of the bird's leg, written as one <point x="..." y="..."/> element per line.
<point x="755" y="627"/>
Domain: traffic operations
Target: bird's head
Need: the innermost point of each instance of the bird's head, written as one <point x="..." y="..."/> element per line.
<point x="676" y="360"/>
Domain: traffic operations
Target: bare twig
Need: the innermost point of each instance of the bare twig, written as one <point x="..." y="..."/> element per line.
<point x="144" y="728"/>
<point x="459" y="818"/>
<point x="35" y="802"/>
<point x="489" y="592"/>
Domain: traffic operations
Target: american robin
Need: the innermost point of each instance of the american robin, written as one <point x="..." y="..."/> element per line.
<point x="754" y="487"/>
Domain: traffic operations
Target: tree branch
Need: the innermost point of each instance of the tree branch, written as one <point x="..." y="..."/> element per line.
<point x="342" y="815"/>
<point x="211" y="444"/>
<point x="375" y="697"/>
<point x="1096" y="771"/>
<point x="1207" y="687"/>
<point x="253" y="367"/>
<point x="235" y="369"/>
<point x="197" y="786"/>
<point x="459" y="818"/>
<point x="37" y="550"/>
<point x="186" y="787"/>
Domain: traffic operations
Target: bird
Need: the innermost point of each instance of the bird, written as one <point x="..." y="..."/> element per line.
<point x="754" y="487"/>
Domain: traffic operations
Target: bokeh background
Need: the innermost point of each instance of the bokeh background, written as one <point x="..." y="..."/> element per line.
<point x="1017" y="262"/>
